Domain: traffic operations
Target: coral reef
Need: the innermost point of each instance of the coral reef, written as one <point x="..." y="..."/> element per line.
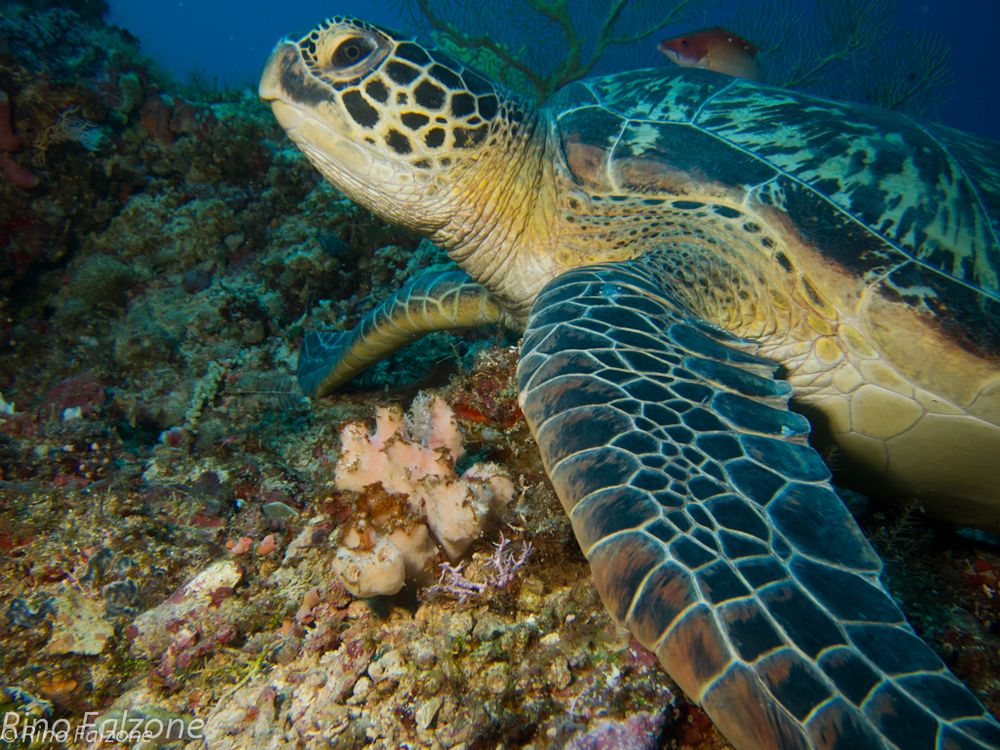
<point x="170" y="515"/>
<point x="59" y="188"/>
<point x="18" y="175"/>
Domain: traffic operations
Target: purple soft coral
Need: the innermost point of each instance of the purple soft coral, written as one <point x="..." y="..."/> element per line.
<point x="500" y="571"/>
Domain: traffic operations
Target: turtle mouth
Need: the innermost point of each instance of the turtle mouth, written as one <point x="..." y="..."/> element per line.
<point x="339" y="157"/>
<point x="288" y="115"/>
<point x="345" y="161"/>
<point x="281" y="69"/>
<point x="303" y="110"/>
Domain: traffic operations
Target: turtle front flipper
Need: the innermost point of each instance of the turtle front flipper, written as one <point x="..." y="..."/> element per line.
<point x="712" y="529"/>
<point x="431" y="302"/>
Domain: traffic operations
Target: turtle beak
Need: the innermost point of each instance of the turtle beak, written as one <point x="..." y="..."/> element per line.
<point x="281" y="59"/>
<point x="283" y="67"/>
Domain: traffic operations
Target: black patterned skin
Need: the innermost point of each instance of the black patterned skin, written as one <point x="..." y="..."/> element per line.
<point x="712" y="529"/>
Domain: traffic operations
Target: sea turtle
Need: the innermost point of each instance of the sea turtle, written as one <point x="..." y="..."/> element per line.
<point x="687" y="253"/>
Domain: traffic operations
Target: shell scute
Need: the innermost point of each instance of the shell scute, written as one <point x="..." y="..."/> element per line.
<point x="849" y="176"/>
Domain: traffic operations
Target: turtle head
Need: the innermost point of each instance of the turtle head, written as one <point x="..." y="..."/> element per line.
<point x="389" y="122"/>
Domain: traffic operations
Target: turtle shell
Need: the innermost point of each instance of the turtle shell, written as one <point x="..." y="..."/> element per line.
<point x="913" y="208"/>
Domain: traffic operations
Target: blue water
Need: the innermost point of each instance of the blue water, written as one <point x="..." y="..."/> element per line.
<point x="229" y="40"/>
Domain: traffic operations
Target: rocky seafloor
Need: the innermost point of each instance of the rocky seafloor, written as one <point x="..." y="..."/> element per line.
<point x="169" y="515"/>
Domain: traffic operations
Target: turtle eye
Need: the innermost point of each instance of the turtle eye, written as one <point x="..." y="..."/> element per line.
<point x="351" y="51"/>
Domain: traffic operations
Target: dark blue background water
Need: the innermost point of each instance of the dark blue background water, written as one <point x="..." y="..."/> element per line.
<point x="230" y="40"/>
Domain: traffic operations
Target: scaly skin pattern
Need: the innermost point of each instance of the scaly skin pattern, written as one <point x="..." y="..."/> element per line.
<point x="712" y="530"/>
<point x="669" y="241"/>
<point x="431" y="302"/>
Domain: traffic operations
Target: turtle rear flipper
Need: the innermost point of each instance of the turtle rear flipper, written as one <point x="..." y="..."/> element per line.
<point x="434" y="301"/>
<point x="712" y="529"/>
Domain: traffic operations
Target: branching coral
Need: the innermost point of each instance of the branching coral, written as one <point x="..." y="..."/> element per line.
<point x="845" y="28"/>
<point x="69" y="128"/>
<point x="500" y="571"/>
<point x="579" y="35"/>
<point x="850" y="49"/>
<point x="912" y="81"/>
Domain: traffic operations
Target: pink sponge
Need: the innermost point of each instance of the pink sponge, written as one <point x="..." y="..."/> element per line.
<point x="414" y="457"/>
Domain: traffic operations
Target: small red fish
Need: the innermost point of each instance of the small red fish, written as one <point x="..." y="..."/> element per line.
<point x="714" y="49"/>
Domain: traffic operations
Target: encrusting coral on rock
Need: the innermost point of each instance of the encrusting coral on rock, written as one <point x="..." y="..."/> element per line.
<point x="10" y="142"/>
<point x="408" y="464"/>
